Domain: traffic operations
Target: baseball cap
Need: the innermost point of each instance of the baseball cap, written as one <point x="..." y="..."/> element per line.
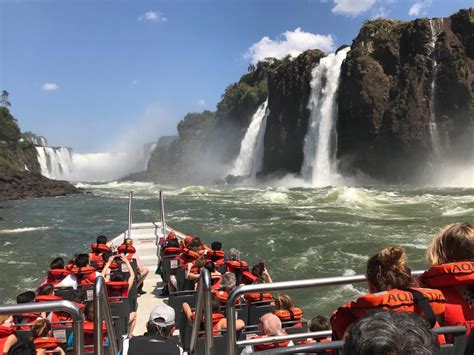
<point x="162" y="315"/>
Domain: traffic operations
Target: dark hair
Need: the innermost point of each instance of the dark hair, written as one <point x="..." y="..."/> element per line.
<point x="40" y="328"/>
<point x="57" y="263"/>
<point x="101" y="239"/>
<point x="216" y="246"/>
<point x="117" y="276"/>
<point x="26" y="297"/>
<point x="389" y="270"/>
<point x="46" y="289"/>
<point x="163" y="331"/>
<point x="393" y="333"/>
<point x="210" y="266"/>
<point x="106" y="255"/>
<point x="89" y="311"/>
<point x="173" y="243"/>
<point x="82" y="260"/>
<point x="318" y="323"/>
<point x="76" y="296"/>
<point x="215" y="304"/>
<point x="22" y="347"/>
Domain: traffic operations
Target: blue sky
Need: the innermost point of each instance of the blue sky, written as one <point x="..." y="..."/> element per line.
<point x="98" y="75"/>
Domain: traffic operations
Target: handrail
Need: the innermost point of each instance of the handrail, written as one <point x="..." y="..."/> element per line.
<point x="203" y="302"/>
<point x="130" y="199"/>
<point x="279" y="338"/>
<point x="162" y="214"/>
<point x="277" y="286"/>
<point x="102" y="312"/>
<point x="66" y="306"/>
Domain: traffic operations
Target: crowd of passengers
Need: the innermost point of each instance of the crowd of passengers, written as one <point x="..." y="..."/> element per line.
<point x="394" y="317"/>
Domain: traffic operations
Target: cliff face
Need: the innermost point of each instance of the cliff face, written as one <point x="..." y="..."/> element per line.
<point x="288" y="93"/>
<point x="386" y="91"/>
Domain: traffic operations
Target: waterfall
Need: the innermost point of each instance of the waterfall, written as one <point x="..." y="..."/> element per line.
<point x="435" y="138"/>
<point x="319" y="164"/>
<point x="55" y="163"/>
<point x="249" y="160"/>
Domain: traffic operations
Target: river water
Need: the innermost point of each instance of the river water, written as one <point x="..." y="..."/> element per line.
<point x="300" y="232"/>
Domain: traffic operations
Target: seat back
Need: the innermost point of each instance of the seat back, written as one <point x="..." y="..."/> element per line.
<point x="258" y="309"/>
<point x="169" y="266"/>
<point x="176" y="300"/>
<point x="121" y="310"/>
<point x="220" y="345"/>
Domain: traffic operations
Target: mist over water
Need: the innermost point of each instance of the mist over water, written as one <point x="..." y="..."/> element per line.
<point x="300" y="232"/>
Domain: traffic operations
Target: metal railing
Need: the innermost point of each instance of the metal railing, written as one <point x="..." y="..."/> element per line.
<point x="203" y="302"/>
<point x="130" y="200"/>
<point x="66" y="306"/>
<point x="232" y="342"/>
<point x="162" y="214"/>
<point x="102" y="312"/>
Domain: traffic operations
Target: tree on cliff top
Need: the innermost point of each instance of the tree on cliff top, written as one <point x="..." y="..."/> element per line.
<point x="4" y="99"/>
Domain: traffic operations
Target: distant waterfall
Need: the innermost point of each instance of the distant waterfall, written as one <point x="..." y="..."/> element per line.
<point x="55" y="163"/>
<point x="319" y="164"/>
<point x="436" y="26"/>
<point x="250" y="158"/>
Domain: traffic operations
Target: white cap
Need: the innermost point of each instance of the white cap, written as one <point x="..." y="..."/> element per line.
<point x="162" y="316"/>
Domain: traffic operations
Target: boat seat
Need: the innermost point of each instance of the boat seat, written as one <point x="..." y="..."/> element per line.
<point x="242" y="311"/>
<point x="121" y="310"/>
<point x="458" y="334"/>
<point x="305" y="348"/>
<point x="220" y="345"/>
<point x="258" y="309"/>
<point x="64" y="292"/>
<point x="291" y="325"/>
<point x="176" y="300"/>
<point x="183" y="283"/>
<point x="169" y="266"/>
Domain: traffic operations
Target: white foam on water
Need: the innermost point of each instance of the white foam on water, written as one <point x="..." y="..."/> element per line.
<point x="275" y="197"/>
<point x="458" y="211"/>
<point x="415" y="246"/>
<point x="349" y="272"/>
<point x="22" y="230"/>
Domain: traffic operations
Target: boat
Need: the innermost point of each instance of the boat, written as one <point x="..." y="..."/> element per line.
<point x="148" y="239"/>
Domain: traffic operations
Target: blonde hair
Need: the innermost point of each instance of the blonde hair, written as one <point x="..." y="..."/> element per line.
<point x="4" y="317"/>
<point x="455" y="242"/>
<point x="41" y="328"/>
<point x="389" y="269"/>
<point x="284" y="301"/>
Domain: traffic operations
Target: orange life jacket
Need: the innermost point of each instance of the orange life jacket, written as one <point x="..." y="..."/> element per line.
<point x="236" y="266"/>
<point x="27" y="319"/>
<point x="186" y="241"/>
<point x="216" y="317"/>
<point x="394" y="300"/>
<point x="5" y="332"/>
<point x="248" y="278"/>
<point x="46" y="343"/>
<point x="171" y="235"/>
<point x="69" y="266"/>
<point x="269" y="346"/>
<point x="117" y="290"/>
<point x="167" y="251"/>
<point x="216" y="282"/>
<point x="89" y="335"/>
<point x="291" y="315"/>
<point x="258" y="297"/>
<point x="100" y="264"/>
<point x="216" y="256"/>
<point x="47" y="298"/>
<point x="62" y="316"/>
<point x="221" y="296"/>
<point x="85" y="275"/>
<point x="127" y="250"/>
<point x="446" y="277"/>
<point x="55" y="276"/>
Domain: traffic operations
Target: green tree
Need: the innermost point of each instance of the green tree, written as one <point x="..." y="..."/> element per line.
<point x="4" y="99"/>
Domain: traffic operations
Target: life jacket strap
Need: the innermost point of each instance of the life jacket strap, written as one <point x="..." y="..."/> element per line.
<point x="423" y="302"/>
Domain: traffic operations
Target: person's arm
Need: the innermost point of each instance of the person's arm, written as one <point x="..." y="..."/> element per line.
<point x="139" y="263"/>
<point x="11" y="340"/>
<point x="131" y="279"/>
<point x="188" y="312"/>
<point x="105" y="271"/>
<point x="267" y="275"/>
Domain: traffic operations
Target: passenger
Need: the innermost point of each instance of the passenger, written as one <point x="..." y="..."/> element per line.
<point x="71" y="263"/>
<point x="97" y="248"/>
<point x="451" y="255"/>
<point x="269" y="325"/>
<point x="216" y="254"/>
<point x="7" y="333"/>
<point x="389" y="280"/>
<point x="235" y="265"/>
<point x="254" y="279"/>
<point x="22" y="347"/>
<point x="228" y="283"/>
<point x="46" y="294"/>
<point x="194" y="269"/>
<point x="261" y="272"/>
<point x="158" y="338"/>
<point x="26" y="318"/>
<point x="216" y="276"/>
<point x="171" y="248"/>
<point x="56" y="273"/>
<point x="394" y="333"/>
<point x="219" y="320"/>
<point x="119" y="287"/>
<point x="41" y="337"/>
<point x="286" y="311"/>
<point x="89" y="330"/>
<point x="82" y="274"/>
<point x="318" y="324"/>
<point x="142" y="271"/>
<point x="60" y="318"/>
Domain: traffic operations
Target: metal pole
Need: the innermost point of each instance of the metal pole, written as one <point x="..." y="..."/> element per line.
<point x="162" y="213"/>
<point x="197" y="319"/>
<point x="206" y="284"/>
<point x="102" y="312"/>
<point x="277" y="286"/>
<point x="66" y="306"/>
<point x="130" y="199"/>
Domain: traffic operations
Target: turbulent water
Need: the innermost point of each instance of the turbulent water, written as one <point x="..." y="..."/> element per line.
<point x="300" y="232"/>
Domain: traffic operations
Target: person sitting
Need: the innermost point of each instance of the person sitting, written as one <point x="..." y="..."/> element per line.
<point x="97" y="248"/>
<point x="317" y="324"/>
<point x="57" y="272"/>
<point x="228" y="283"/>
<point x="45" y="293"/>
<point x="82" y="274"/>
<point x="194" y="269"/>
<point x="451" y="256"/>
<point x="389" y="280"/>
<point x="7" y="333"/>
<point x="40" y="336"/>
<point x="257" y="277"/>
<point x="158" y="338"/>
<point x="394" y="333"/>
<point x="61" y="318"/>
<point x="26" y="318"/>
<point x="22" y="347"/>
<point x="286" y="311"/>
<point x="216" y="254"/>
<point x="89" y="329"/>
<point x="235" y="265"/>
<point x="129" y="251"/>
<point x="216" y="276"/>
<point x="269" y="325"/>
<point x="171" y="248"/>
<point x="219" y="321"/>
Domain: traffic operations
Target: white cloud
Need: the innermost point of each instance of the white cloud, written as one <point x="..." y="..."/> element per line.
<point x="419" y="8"/>
<point x="291" y="42"/>
<point x="380" y="12"/>
<point x="135" y="82"/>
<point x="352" y="7"/>
<point x="200" y="102"/>
<point x="153" y="16"/>
<point x="50" y="87"/>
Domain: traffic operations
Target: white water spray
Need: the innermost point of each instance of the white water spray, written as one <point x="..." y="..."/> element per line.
<point x="55" y="163"/>
<point x="250" y="158"/>
<point x="319" y="165"/>
<point x="435" y="138"/>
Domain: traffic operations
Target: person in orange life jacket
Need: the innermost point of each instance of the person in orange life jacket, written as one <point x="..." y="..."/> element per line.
<point x="228" y="283"/>
<point x="89" y="328"/>
<point x="40" y="336"/>
<point x="171" y="247"/>
<point x="394" y="333"/>
<point x="119" y="277"/>
<point x="216" y="254"/>
<point x="317" y="324"/>
<point x="158" y="338"/>
<point x="216" y="276"/>
<point x="97" y="248"/>
<point x="286" y="311"/>
<point x="75" y="296"/>
<point x="46" y="294"/>
<point x="27" y="318"/>
<point x="269" y="325"/>
<point x="261" y="272"/>
<point x="142" y="270"/>
<point x="451" y="256"/>
<point x="82" y="261"/>
<point x="389" y="280"/>
<point x="218" y="319"/>
<point x="22" y="347"/>
<point x="56" y="273"/>
<point x="194" y="269"/>
<point x="7" y="333"/>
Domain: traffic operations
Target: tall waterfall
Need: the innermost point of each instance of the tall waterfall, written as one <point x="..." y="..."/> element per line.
<point x="55" y="163"/>
<point x="250" y="158"/>
<point x="436" y="26"/>
<point x="319" y="164"/>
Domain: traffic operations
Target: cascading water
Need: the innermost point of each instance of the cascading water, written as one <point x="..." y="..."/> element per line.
<point x="55" y="163"/>
<point x="435" y="26"/>
<point x="319" y="164"/>
<point x="249" y="160"/>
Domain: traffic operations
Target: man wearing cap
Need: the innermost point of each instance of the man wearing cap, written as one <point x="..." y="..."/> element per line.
<point x="157" y="339"/>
